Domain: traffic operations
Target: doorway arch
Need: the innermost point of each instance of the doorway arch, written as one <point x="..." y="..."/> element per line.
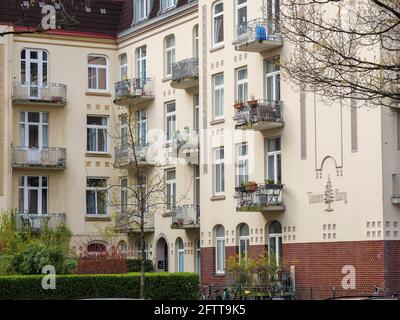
<point x="162" y="254"/>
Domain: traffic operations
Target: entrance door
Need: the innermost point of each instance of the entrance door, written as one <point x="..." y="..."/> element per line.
<point x="162" y="255"/>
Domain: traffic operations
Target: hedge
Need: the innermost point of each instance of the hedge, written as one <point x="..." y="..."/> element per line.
<point x="134" y="265"/>
<point x="158" y="286"/>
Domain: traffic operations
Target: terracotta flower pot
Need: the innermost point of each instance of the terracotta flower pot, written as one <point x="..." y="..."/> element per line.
<point x="238" y="106"/>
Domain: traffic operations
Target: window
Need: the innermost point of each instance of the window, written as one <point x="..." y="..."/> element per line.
<point x="241" y="16"/>
<point x="169" y="56"/>
<point x="180" y="250"/>
<point x="34" y="129"/>
<point x="123" y="247"/>
<point x="139" y="249"/>
<point x="124" y="195"/>
<point x="244" y="241"/>
<point x="219" y="249"/>
<point x="197" y="185"/>
<point x="123" y="67"/>
<point x="34" y="67"/>
<point x="167" y="4"/>
<point x="33" y="195"/>
<point x="218" y="84"/>
<point x="141" y="125"/>
<point x="273" y="79"/>
<point x="141" y="64"/>
<point x="96" y="197"/>
<point x="272" y="14"/>
<point x="197" y="256"/>
<point x="97" y="73"/>
<point x="196" y="113"/>
<point x="141" y="184"/>
<point x="141" y="9"/>
<point x="196" y="41"/>
<point x="123" y="130"/>
<point x="171" y="189"/>
<point x="96" y="248"/>
<point x="274" y="159"/>
<point x="218" y="23"/>
<point x="219" y="171"/>
<point x="275" y="241"/>
<point x="241" y="85"/>
<point x="97" y="139"/>
<point x="242" y="164"/>
<point x="170" y="121"/>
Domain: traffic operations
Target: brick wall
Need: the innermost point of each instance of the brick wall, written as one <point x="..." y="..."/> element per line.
<point x="319" y="266"/>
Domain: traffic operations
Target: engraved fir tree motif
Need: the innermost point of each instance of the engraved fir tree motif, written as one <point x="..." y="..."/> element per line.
<point x="328" y="195"/>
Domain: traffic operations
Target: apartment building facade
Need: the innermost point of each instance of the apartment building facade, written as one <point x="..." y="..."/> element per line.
<point x="324" y="187"/>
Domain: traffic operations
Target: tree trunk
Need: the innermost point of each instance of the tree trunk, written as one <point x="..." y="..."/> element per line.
<point x="142" y="256"/>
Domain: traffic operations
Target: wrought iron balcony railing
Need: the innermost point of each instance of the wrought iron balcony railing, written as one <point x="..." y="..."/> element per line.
<point x="185" y="74"/>
<point x="131" y="223"/>
<point x="264" y="197"/>
<point x="38" y="222"/>
<point x="134" y="90"/>
<point x="186" y="216"/>
<point x="50" y="158"/>
<point x="258" y="35"/>
<point x="125" y="157"/>
<point x="45" y="93"/>
<point x="259" y="115"/>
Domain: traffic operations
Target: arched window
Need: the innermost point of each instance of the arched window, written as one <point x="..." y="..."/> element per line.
<point x="196" y="41"/>
<point x="97" y="73"/>
<point x="123" y="66"/>
<point x="96" y="248"/>
<point x="219" y="232"/>
<point x="244" y="241"/>
<point x="197" y="256"/>
<point x="180" y="251"/>
<point x="169" y="55"/>
<point x="218" y="23"/>
<point x="275" y="241"/>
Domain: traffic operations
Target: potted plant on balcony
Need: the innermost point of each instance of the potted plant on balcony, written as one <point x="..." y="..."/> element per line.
<point x="251" y="186"/>
<point x="271" y="184"/>
<point x="238" y="105"/>
<point x="252" y="102"/>
<point x="241" y="188"/>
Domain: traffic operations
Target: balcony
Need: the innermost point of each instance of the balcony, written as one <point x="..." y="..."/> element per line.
<point x="38" y="222"/>
<point x="125" y="156"/>
<point x="133" y="91"/>
<point x="41" y="158"/>
<point x="263" y="198"/>
<point x="259" y="115"/>
<point x="186" y="217"/>
<point x="129" y="223"/>
<point x="258" y="35"/>
<point x="186" y="146"/>
<point x="185" y="74"/>
<point x="51" y="94"/>
<point x="396" y="188"/>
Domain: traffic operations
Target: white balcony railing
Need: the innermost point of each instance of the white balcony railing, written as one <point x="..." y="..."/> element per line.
<point x="46" y="93"/>
<point x="38" y="222"/>
<point x="53" y="158"/>
<point x="133" y="90"/>
<point x="125" y="155"/>
<point x="130" y="222"/>
<point x="186" y="215"/>
<point x="184" y="69"/>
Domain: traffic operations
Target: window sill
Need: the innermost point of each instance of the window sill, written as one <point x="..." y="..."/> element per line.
<point x="97" y="94"/>
<point x="100" y="219"/>
<point x="217" y="47"/>
<point x="97" y="155"/>
<point x="217" y="121"/>
<point x="219" y="274"/>
<point x="217" y="198"/>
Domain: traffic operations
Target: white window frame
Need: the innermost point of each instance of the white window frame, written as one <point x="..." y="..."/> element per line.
<point x="141" y="63"/>
<point x="275" y="78"/>
<point x="238" y="7"/>
<point x="220" y="255"/>
<point x="276" y="237"/>
<point x="197" y="181"/>
<point x="96" y="190"/>
<point x="146" y="7"/>
<point x="170" y="132"/>
<point x="167" y="5"/>
<point x="97" y="128"/>
<point x="141" y="121"/>
<point x="246" y="240"/>
<point x="25" y="188"/>
<point x="274" y="155"/>
<point x="124" y="195"/>
<point x="196" y="114"/>
<point x="123" y="130"/>
<point x="171" y="189"/>
<point x="180" y="253"/>
<point x="242" y="160"/>
<point x="40" y="61"/>
<point x="242" y="87"/>
<point x="196" y="41"/>
<point x="218" y="88"/>
<point x="123" y="67"/>
<point x="216" y="16"/>
<point x="24" y="128"/>
<point x="139" y="249"/>
<point x="96" y="67"/>
<point x="197" y="256"/>
<point x="169" y="56"/>
<point x="219" y="162"/>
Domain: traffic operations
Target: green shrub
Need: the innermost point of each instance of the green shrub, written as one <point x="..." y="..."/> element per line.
<point x="37" y="255"/>
<point x="5" y="264"/>
<point x="134" y="265"/>
<point x="158" y="286"/>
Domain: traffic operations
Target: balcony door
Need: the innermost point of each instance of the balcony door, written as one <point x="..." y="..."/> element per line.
<point x="273" y="80"/>
<point x="33" y="195"/>
<point x="241" y="17"/>
<point x="141" y="65"/>
<point x="34" y="70"/>
<point x="272" y="9"/>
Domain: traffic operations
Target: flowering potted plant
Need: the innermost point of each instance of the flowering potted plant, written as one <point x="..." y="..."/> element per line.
<point x="252" y="102"/>
<point x="251" y="186"/>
